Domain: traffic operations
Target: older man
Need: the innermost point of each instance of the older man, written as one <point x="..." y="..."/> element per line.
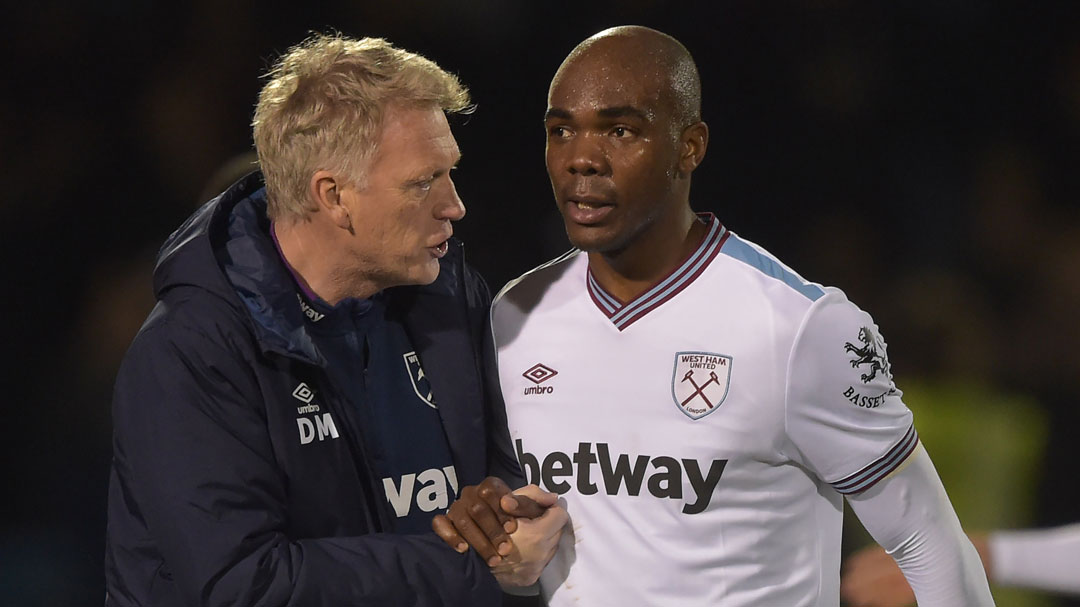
<point x="703" y="409"/>
<point x="311" y="387"/>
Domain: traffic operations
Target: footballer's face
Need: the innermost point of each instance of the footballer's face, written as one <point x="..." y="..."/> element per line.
<point x="404" y="212"/>
<point x="612" y="151"/>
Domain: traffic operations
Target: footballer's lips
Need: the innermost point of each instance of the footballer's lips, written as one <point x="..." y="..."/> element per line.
<point x="587" y="209"/>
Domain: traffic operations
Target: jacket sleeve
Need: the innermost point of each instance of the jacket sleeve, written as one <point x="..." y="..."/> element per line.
<point x="194" y="456"/>
<point x="501" y="460"/>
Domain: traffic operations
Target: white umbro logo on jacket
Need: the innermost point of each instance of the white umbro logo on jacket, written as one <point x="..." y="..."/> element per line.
<point x="320" y="425"/>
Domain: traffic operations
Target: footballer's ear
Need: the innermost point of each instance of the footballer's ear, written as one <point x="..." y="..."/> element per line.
<point x="692" y="144"/>
<point x="324" y="190"/>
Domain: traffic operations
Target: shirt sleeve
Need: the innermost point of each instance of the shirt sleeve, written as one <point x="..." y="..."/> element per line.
<point x="1045" y="559"/>
<point x="844" y="415"/>
<point x="910" y="515"/>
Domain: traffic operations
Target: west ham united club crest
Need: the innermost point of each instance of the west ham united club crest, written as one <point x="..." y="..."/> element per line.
<point x="700" y="382"/>
<point x="420" y="382"/>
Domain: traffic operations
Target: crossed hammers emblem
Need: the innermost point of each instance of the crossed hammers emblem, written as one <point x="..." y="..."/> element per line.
<point x="699" y="390"/>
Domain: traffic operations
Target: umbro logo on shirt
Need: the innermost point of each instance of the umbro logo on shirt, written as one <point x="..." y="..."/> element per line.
<point x="538" y="374"/>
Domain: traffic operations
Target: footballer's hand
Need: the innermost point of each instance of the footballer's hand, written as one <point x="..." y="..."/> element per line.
<point x="484" y="516"/>
<point x="534" y="544"/>
<point x="871" y="578"/>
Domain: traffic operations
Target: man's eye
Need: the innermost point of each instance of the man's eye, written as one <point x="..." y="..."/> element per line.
<point x="621" y="131"/>
<point x="559" y="132"/>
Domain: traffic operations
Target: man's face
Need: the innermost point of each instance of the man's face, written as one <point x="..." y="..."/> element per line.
<point x="401" y="220"/>
<point x="611" y="151"/>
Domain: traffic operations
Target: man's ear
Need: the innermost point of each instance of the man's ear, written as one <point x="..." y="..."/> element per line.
<point x="692" y="145"/>
<point x="324" y="190"/>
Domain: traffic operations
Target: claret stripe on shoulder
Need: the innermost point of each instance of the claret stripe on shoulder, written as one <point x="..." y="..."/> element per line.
<point x="623" y="315"/>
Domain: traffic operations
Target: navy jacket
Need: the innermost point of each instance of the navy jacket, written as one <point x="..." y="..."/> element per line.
<point x="213" y="498"/>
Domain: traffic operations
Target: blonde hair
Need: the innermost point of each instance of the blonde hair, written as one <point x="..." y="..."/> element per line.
<point x="323" y="106"/>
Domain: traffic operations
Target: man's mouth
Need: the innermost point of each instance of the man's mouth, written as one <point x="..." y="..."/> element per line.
<point x="587" y="212"/>
<point x="588" y="206"/>
<point x="440" y="249"/>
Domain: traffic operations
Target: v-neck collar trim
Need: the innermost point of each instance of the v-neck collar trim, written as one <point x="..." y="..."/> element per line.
<point x="623" y="314"/>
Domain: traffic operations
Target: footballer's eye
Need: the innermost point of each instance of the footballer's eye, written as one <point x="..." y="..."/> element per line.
<point x="621" y="131"/>
<point x="560" y="132"/>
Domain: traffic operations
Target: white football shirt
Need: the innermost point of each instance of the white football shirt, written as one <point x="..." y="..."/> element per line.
<point x="701" y="434"/>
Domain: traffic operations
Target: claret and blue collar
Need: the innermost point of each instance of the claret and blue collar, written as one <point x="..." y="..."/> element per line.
<point x="623" y="314"/>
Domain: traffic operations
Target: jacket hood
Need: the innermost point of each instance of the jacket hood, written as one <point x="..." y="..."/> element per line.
<point x="225" y="249"/>
<point x="187" y="256"/>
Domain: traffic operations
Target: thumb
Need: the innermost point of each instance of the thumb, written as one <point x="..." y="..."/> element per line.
<point x="528" y="502"/>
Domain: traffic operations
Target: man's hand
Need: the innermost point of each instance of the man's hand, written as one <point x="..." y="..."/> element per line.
<point x="485" y="515"/>
<point x="534" y="543"/>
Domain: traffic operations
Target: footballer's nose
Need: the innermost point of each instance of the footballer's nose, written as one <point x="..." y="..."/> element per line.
<point x="586" y="157"/>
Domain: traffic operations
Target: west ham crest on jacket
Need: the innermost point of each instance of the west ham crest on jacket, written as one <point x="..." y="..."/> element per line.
<point x="420" y="382"/>
<point x="699" y="383"/>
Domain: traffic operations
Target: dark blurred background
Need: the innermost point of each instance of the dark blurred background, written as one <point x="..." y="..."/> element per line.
<point x="920" y="155"/>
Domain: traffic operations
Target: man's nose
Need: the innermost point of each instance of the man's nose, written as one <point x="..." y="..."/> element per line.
<point x="587" y="157"/>
<point x="450" y="207"/>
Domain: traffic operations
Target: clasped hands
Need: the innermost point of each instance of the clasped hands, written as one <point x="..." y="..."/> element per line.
<point x="515" y="532"/>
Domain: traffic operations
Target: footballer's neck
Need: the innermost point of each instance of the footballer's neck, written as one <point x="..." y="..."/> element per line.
<point x="649" y="257"/>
